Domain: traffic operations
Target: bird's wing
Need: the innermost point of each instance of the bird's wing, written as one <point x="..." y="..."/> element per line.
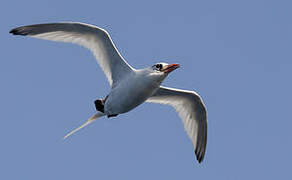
<point x="192" y="111"/>
<point x="89" y="36"/>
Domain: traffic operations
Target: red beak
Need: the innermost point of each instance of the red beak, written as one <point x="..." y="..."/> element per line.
<point x="170" y="68"/>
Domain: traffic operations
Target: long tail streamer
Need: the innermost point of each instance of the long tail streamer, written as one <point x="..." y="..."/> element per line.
<point x="90" y="120"/>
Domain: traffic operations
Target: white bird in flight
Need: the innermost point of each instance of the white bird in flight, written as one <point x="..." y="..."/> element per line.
<point x="129" y="87"/>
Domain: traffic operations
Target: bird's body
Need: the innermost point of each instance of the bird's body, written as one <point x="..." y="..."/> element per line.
<point x="131" y="92"/>
<point x="129" y="87"/>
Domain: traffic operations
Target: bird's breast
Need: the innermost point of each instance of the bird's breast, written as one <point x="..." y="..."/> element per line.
<point x="129" y="94"/>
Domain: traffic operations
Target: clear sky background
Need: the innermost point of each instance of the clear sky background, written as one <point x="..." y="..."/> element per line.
<point x="235" y="54"/>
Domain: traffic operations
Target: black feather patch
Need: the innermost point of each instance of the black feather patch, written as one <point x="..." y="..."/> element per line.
<point x="19" y="31"/>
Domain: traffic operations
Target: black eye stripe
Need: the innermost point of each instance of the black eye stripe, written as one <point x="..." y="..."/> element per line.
<point x="158" y="66"/>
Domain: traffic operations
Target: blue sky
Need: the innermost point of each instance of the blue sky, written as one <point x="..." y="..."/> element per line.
<point x="235" y="54"/>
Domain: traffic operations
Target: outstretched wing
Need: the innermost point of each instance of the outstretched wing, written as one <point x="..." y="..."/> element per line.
<point x="192" y="111"/>
<point x="89" y="36"/>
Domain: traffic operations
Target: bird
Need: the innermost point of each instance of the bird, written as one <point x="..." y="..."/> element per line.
<point x="130" y="87"/>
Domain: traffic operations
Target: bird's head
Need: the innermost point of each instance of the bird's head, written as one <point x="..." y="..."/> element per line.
<point x="164" y="68"/>
<point x="159" y="71"/>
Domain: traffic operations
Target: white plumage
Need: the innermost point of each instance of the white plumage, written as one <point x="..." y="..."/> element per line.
<point x="129" y="87"/>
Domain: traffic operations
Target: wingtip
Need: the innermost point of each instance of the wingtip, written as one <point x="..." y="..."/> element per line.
<point x="18" y="31"/>
<point x="199" y="156"/>
<point x="12" y="31"/>
<point x="200" y="159"/>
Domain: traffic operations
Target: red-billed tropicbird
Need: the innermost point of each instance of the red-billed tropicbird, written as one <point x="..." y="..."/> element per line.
<point x="129" y="87"/>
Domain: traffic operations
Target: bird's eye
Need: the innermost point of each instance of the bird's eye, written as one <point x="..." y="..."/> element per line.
<point x="158" y="66"/>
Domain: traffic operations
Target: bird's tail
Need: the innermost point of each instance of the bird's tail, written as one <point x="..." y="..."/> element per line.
<point x="90" y="120"/>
